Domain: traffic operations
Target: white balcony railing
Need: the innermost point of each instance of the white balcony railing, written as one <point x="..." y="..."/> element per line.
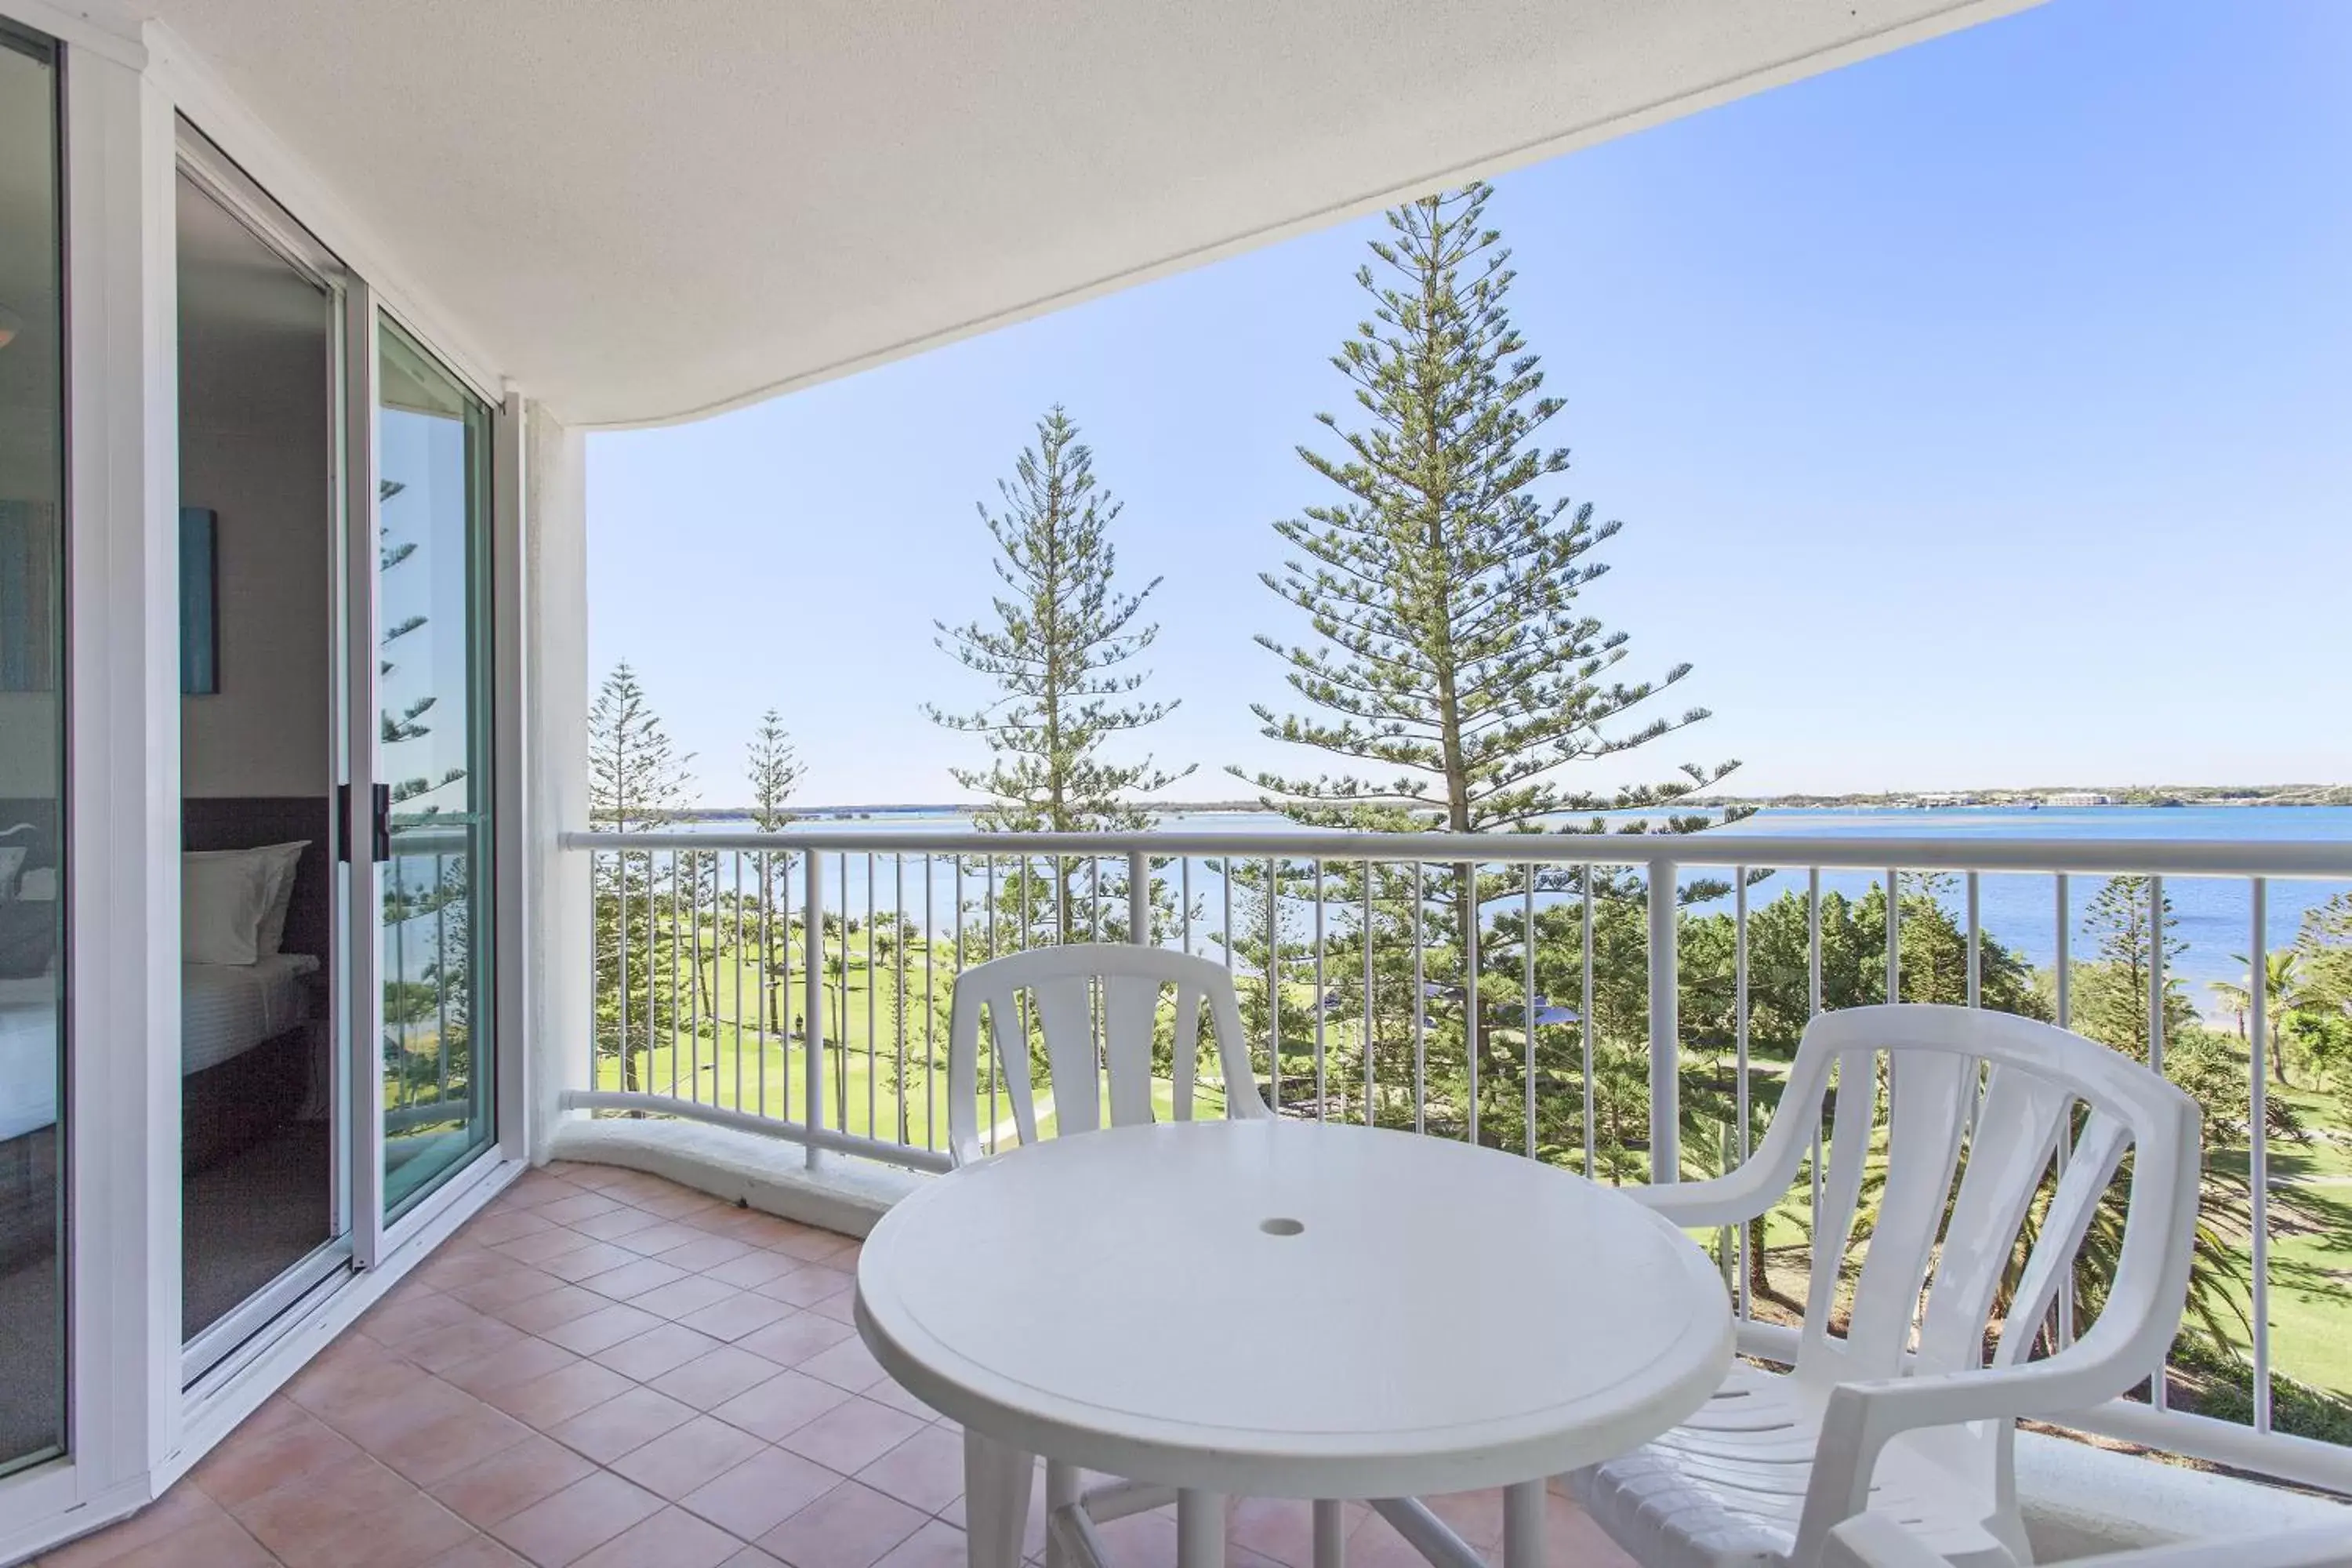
<point x="1600" y="1044"/>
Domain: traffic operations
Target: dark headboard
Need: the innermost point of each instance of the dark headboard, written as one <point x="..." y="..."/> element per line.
<point x="247" y="822"/>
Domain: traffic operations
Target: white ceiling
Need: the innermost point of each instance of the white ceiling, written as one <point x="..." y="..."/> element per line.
<point x="650" y="212"/>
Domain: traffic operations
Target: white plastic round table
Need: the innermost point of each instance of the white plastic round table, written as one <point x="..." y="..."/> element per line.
<point x="1287" y="1310"/>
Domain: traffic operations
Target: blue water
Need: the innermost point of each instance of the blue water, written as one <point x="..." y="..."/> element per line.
<point x="2214" y="914"/>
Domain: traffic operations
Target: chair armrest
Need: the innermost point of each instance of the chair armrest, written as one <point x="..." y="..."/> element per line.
<point x="1732" y="1199"/>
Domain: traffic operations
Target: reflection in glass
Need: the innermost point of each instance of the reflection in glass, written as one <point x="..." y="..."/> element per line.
<point x="32" y="816"/>
<point x="434" y="441"/>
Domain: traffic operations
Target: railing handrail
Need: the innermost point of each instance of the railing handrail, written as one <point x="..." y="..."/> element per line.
<point x="1861" y="852"/>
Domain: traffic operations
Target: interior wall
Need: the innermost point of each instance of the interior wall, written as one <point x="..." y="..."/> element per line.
<point x="255" y="450"/>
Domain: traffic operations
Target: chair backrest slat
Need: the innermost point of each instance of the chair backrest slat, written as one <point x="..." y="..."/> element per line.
<point x="1188" y="1047"/>
<point x="1130" y="1007"/>
<point x="1929" y="1096"/>
<point x="2090" y="1166"/>
<point x="1849" y="1151"/>
<point x="1097" y="1007"/>
<point x="2012" y="1138"/>
<point x="1065" y="1016"/>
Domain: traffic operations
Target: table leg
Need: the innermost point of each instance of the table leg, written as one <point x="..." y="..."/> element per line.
<point x="1331" y="1534"/>
<point x="1523" y="1525"/>
<point x="1061" y="1490"/>
<point x="996" y="1481"/>
<point x="1199" y="1529"/>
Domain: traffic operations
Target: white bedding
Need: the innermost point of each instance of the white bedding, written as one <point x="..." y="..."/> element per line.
<point x="224" y="1010"/>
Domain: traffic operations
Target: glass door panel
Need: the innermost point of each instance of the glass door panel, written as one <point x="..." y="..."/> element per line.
<point x="33" y="1124"/>
<point x="432" y="769"/>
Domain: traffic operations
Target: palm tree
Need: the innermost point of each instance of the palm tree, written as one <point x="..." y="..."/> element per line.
<point x="2282" y="992"/>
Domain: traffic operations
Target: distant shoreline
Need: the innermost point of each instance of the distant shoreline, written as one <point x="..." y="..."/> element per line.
<point x="2120" y="797"/>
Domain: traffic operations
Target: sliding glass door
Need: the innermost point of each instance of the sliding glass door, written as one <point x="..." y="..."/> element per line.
<point x="33" y="1120"/>
<point x="432" y="773"/>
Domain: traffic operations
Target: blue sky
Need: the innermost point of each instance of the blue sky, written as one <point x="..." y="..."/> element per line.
<point x="1977" y="414"/>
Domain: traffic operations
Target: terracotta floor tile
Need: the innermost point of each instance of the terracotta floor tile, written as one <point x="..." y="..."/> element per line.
<point x="888" y="1393"/>
<point x="753" y="1268"/>
<point x="385" y="1418"/>
<point x="602" y="1329"/>
<point x="1143" y="1540"/>
<point x="441" y="1449"/>
<point x="556" y="1398"/>
<point x="593" y="1259"/>
<point x="707" y="1252"/>
<point x="624" y="1422"/>
<point x="688" y="1293"/>
<point x="760" y="1493"/>
<point x="848" y="1364"/>
<point x="813" y="1246"/>
<point x="678" y="1201"/>
<point x="182" y="1508"/>
<point x="633" y="1278"/>
<point x="926" y="1470"/>
<point x="779" y="1406"/>
<point x="841" y="1307"/>
<point x="509" y="1368"/>
<point x="216" y="1543"/>
<point x="548" y="1309"/>
<point x="690" y="1455"/>
<point x="939" y="1545"/>
<point x="753" y="1557"/>
<point x="480" y="1551"/>
<point x="659" y="1349"/>
<point x="852" y="1526"/>
<point x="311" y="1510"/>
<point x="406" y="1534"/>
<point x="741" y="1313"/>
<point x="670" y="1539"/>
<point x="394" y="1322"/>
<point x="1284" y="1531"/>
<point x="580" y="1206"/>
<point x="807" y="1285"/>
<point x="568" y="1525"/>
<point x="548" y="1241"/>
<point x="491" y="1229"/>
<point x="247" y="1464"/>
<point x="507" y="1483"/>
<point x="1475" y="1517"/>
<point x="452" y="1343"/>
<point x="789" y="1340"/>
<point x="616" y="1224"/>
<point x="720" y="1374"/>
<point x="663" y="1236"/>
<point x="852" y="1435"/>
<point x="495" y="1288"/>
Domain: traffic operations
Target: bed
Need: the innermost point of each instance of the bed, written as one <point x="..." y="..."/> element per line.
<point x="245" y="1037"/>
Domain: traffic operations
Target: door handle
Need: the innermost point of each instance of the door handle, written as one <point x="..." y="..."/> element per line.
<point x="380" y="828"/>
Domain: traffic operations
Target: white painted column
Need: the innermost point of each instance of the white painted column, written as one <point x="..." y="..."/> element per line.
<point x="555" y="740"/>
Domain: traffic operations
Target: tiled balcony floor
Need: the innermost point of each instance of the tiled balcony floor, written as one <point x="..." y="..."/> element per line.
<point x="609" y="1370"/>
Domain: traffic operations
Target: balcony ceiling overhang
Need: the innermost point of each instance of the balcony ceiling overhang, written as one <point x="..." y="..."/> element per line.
<point x="650" y="212"/>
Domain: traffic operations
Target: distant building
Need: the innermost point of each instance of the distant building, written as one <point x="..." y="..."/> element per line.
<point x="2076" y="798"/>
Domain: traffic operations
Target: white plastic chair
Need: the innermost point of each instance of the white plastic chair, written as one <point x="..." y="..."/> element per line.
<point x="1064" y="984"/>
<point x="1876" y="1541"/>
<point x="1900" y="1414"/>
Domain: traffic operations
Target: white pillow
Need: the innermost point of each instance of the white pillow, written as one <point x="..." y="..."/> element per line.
<point x="223" y="899"/>
<point x="278" y="862"/>
<point x="12" y="860"/>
